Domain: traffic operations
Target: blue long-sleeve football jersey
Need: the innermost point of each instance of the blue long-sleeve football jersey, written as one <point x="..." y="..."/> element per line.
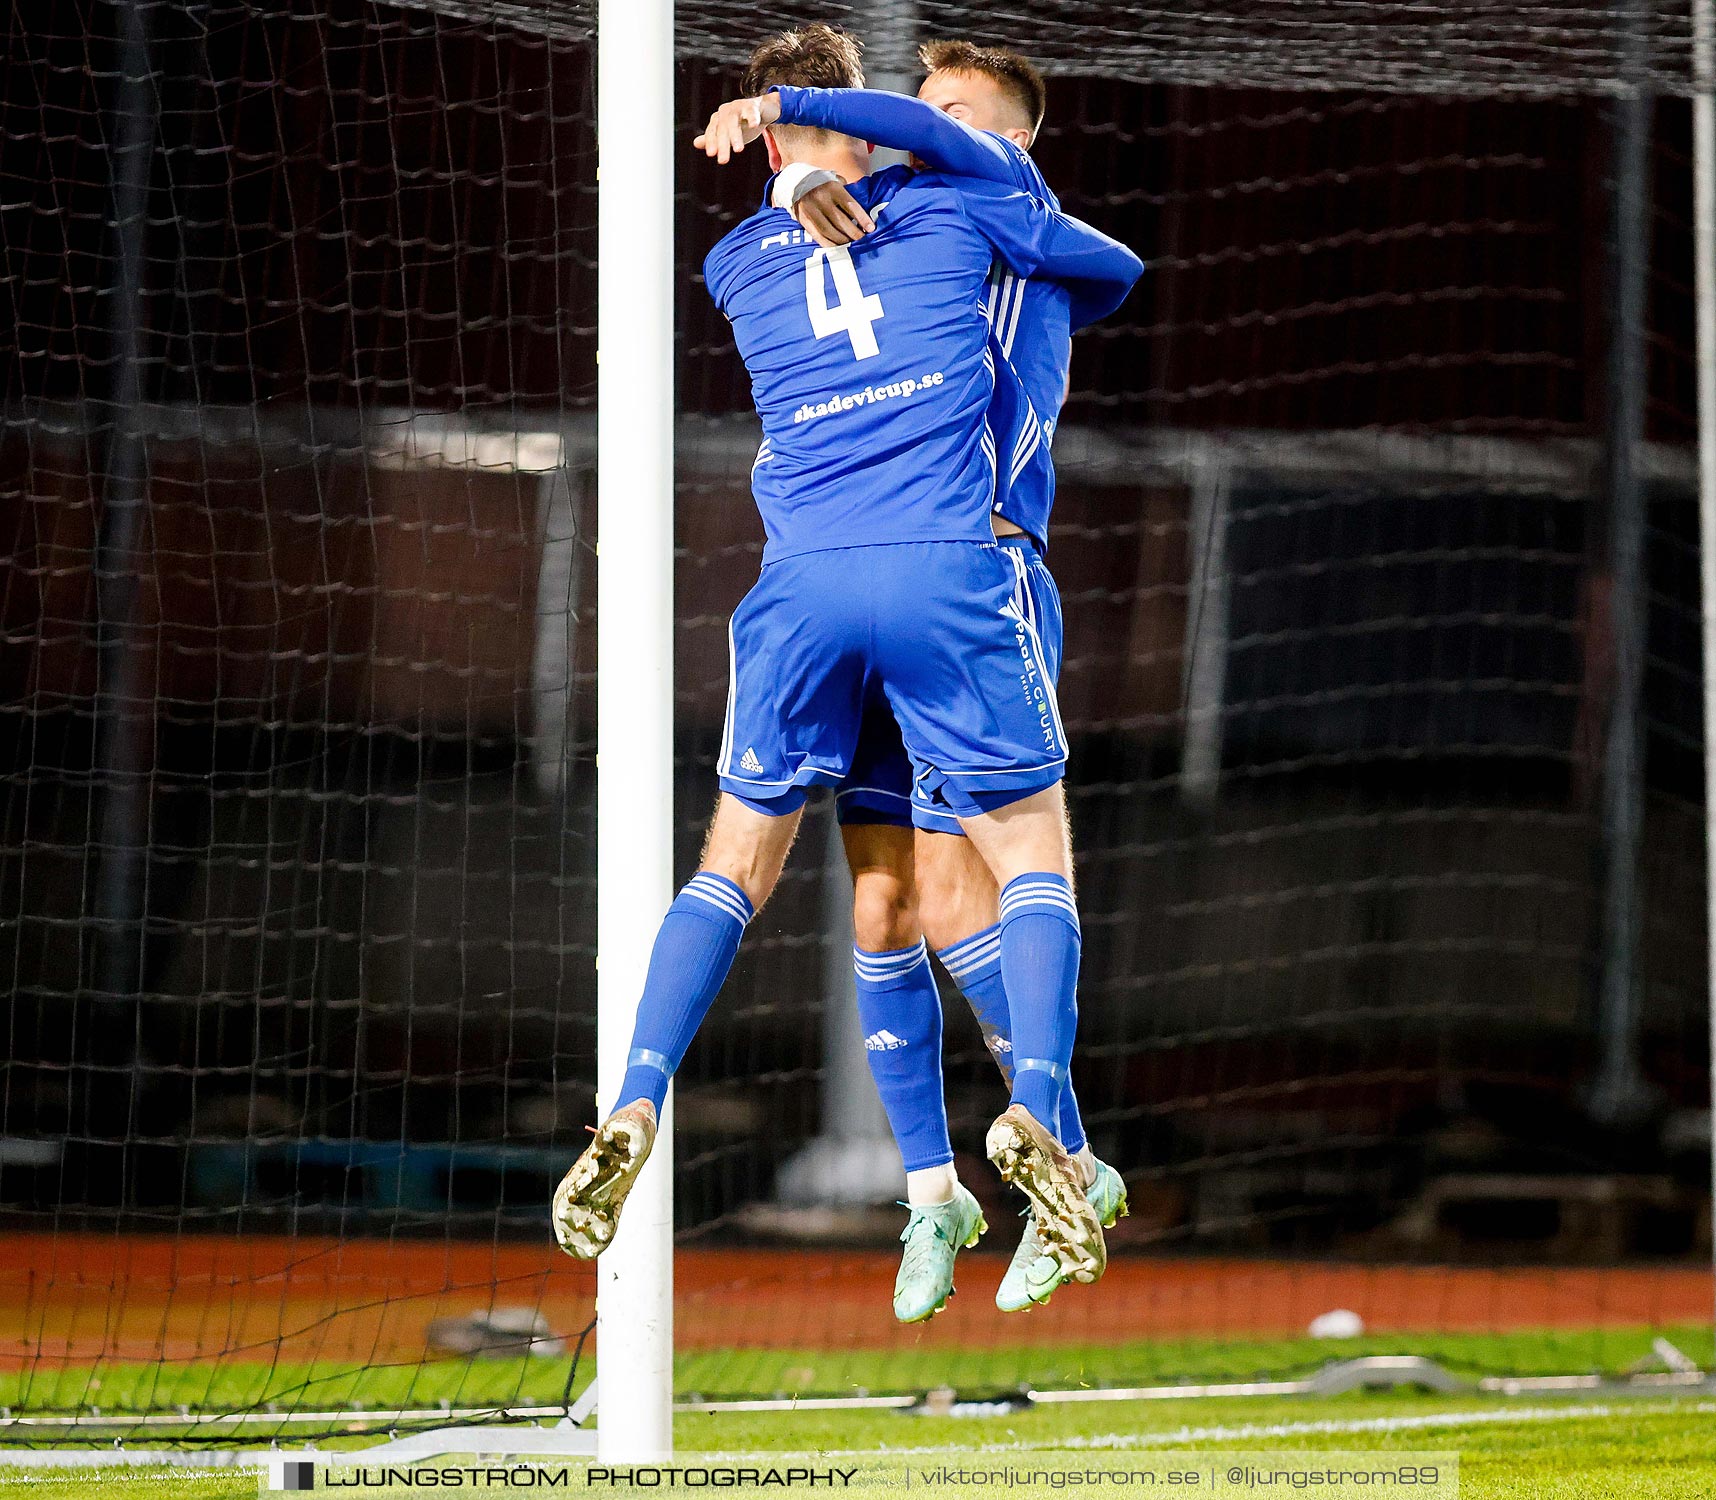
<point x="870" y="366"/>
<point x="1033" y="318"/>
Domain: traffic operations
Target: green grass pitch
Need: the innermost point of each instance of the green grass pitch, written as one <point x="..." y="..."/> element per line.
<point x="719" y="1374"/>
<point x="1568" y="1448"/>
<point x="1586" y="1449"/>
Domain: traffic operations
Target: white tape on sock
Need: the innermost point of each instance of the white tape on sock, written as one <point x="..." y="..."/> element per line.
<point x="929" y="1186"/>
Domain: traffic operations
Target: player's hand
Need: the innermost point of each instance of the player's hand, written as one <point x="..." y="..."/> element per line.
<point x="736" y="124"/>
<point x="832" y="216"/>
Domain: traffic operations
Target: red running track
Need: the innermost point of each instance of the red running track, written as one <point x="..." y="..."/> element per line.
<point x="72" y="1299"/>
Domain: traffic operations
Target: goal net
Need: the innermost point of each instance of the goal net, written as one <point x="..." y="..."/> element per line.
<point x="1377" y="533"/>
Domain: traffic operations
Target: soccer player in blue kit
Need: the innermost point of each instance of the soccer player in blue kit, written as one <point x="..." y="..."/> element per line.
<point x="977" y="114"/>
<point x="882" y="580"/>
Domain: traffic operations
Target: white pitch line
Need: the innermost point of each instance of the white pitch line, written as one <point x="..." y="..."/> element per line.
<point x="1238" y="1432"/>
<point x="164" y="1474"/>
<point x="1327" y="1427"/>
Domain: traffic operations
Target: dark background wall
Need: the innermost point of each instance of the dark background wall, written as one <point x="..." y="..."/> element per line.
<point x="363" y="919"/>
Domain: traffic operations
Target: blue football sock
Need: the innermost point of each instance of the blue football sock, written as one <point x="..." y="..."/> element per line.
<point x="900" y="1010"/>
<point x="975" y="966"/>
<point x="1072" y="1122"/>
<point x="693" y="952"/>
<point x="1039" y="968"/>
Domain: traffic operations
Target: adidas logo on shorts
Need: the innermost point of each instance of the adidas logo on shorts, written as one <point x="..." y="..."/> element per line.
<point x="749" y="762"/>
<point x="883" y="1041"/>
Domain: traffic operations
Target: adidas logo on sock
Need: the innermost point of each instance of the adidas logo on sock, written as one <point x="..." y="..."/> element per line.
<point x="883" y="1041"/>
<point x="749" y="762"/>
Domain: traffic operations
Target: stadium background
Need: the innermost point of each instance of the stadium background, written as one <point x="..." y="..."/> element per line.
<point x="1394" y="989"/>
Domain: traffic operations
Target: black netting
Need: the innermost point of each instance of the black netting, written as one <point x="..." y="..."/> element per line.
<point x="1459" y="47"/>
<point x="297" y="707"/>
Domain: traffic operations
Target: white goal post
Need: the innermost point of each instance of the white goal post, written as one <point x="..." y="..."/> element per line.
<point x="634" y="683"/>
<point x="1704" y="291"/>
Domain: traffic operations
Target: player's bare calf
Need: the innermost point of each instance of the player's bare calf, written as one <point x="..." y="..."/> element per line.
<point x="1032" y="1160"/>
<point x="588" y="1201"/>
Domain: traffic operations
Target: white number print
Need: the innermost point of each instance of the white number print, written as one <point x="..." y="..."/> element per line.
<point x="853" y="312"/>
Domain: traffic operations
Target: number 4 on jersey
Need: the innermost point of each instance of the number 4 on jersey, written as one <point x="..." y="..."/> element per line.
<point x="853" y="312"/>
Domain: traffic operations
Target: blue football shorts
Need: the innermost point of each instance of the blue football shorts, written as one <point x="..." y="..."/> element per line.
<point x="883" y="779"/>
<point x="942" y="640"/>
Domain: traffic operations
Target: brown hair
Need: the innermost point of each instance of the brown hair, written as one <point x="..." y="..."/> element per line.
<point x="1018" y="77"/>
<point x="818" y="56"/>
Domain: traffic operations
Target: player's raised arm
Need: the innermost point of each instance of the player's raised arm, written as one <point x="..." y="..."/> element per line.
<point x="939" y="141"/>
<point x="836" y="220"/>
<point x="933" y="136"/>
<point x="735" y="124"/>
<point x="1036" y="240"/>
